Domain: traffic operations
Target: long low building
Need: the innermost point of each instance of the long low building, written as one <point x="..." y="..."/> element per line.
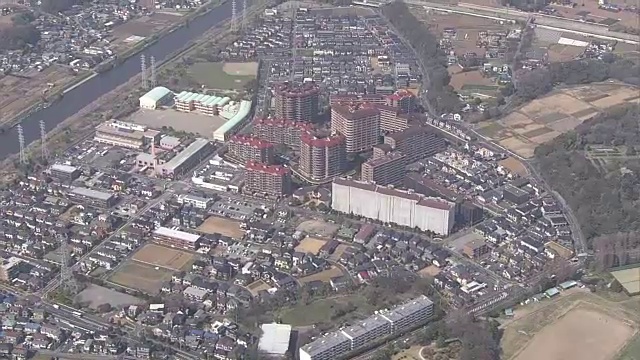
<point x="390" y="205"/>
<point x="92" y="197"/>
<point x="398" y="320"/>
<point x="224" y="132"/>
<point x="186" y="159"/>
<point x="176" y="238"/>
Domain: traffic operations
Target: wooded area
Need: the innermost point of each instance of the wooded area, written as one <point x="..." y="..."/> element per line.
<point x="440" y="95"/>
<point x="605" y="199"/>
<point x="18" y="37"/>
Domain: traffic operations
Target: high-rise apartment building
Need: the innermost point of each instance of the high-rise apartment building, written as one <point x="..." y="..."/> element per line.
<point x="388" y="169"/>
<point x="297" y="102"/>
<point x="322" y="158"/>
<point x="280" y="131"/>
<point x="358" y="99"/>
<point x="416" y="142"/>
<point x="358" y="123"/>
<point x="270" y="180"/>
<point x="392" y="119"/>
<point x="402" y="99"/>
<point x="244" y="148"/>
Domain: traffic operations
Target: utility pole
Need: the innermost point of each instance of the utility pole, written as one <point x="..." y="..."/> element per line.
<point x="67" y="280"/>
<point x="43" y="140"/>
<point x="143" y="69"/>
<point x="153" y="71"/>
<point x="23" y="156"/>
<point x="234" y="16"/>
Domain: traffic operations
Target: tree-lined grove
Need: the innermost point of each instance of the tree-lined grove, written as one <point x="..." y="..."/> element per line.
<point x="441" y="96"/>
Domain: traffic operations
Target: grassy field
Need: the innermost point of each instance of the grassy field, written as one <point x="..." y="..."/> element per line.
<point x="138" y="276"/>
<point x="218" y="76"/>
<point x="321" y="311"/>
<point x="632" y="350"/>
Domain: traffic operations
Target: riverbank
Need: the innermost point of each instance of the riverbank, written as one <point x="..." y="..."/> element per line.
<point x="54" y="96"/>
<point x="81" y="125"/>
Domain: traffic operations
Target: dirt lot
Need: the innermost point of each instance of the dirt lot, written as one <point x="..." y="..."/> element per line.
<point x="574" y="326"/>
<point x="515" y="166"/>
<point x="338" y="252"/>
<point x="580" y="334"/>
<point x="310" y="245"/>
<point x="156" y="255"/>
<point x="318" y="228"/>
<point x="191" y="122"/>
<point x="544" y="119"/>
<point x="19" y="93"/>
<point x="97" y="295"/>
<point x="459" y="79"/>
<point x="258" y="286"/>
<point x="325" y="275"/>
<point x="222" y="226"/>
<point x="138" y="276"/>
<point x="241" y="69"/>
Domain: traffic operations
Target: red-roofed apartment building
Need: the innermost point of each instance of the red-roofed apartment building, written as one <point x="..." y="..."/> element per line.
<point x="270" y="180"/>
<point x="245" y="148"/>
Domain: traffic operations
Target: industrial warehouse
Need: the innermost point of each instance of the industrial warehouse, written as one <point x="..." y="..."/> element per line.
<point x="210" y="116"/>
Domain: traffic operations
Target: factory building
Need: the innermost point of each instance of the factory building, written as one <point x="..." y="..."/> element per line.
<point x="388" y="205"/>
<point x="125" y="134"/>
<point x="280" y="131"/>
<point x="64" y="173"/>
<point x="297" y="102"/>
<point x="388" y="169"/>
<point x="176" y="238"/>
<point x="270" y="180"/>
<point x="358" y="123"/>
<point x="155" y="97"/>
<point x="395" y="321"/>
<point x="322" y="158"/>
<point x="245" y="148"/>
<point x="416" y="142"/>
<point x="91" y="197"/>
<point x="186" y="159"/>
<point x="236" y="116"/>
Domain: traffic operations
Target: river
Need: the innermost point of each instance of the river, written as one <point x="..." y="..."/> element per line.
<point x="86" y="93"/>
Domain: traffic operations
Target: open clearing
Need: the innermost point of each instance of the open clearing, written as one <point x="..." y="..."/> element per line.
<point x="318" y="228"/>
<point x="544" y="119"/>
<point x="138" y="276"/>
<point x="157" y="255"/>
<point x="191" y="122"/>
<point x="324" y="275"/>
<point x="19" y="93"/>
<point x="310" y="245"/>
<point x="222" y="226"/>
<point x="97" y="295"/>
<point x="258" y="286"/>
<point x="576" y="325"/>
<point x="223" y="76"/>
<point x="321" y="311"/>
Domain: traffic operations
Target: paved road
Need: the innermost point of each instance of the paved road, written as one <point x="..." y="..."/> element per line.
<point x="542" y="20"/>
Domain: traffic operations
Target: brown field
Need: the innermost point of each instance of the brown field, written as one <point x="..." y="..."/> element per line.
<point x="241" y="69"/>
<point x="580" y="334"/>
<point x="324" y="275"/>
<point x="138" y="276"/>
<point x="459" y="79"/>
<point x="17" y="93"/>
<point x="310" y="245"/>
<point x="164" y="257"/>
<point x="546" y="118"/>
<point x="560" y="53"/>
<point x="257" y="286"/>
<point x="625" y="18"/>
<point x="429" y="271"/>
<point x="142" y="27"/>
<point x="514" y="165"/>
<point x="575" y="325"/>
<point x="339" y="251"/>
<point x="222" y="226"/>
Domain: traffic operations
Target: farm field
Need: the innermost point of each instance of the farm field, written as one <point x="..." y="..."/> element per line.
<point x="142" y="277"/>
<point x="310" y="245"/>
<point x="544" y="119"/>
<point x="164" y="257"/>
<point x="574" y="326"/>
<point x="323" y="276"/>
<point x="321" y="310"/>
<point x="222" y="226"/>
<point x="223" y="76"/>
<point x="318" y="228"/>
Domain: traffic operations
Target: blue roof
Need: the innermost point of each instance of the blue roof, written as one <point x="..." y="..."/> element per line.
<point x="157" y="93"/>
<point x="552" y="292"/>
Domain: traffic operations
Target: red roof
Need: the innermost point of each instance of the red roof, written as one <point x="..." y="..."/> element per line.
<point x="283" y="123"/>
<point x="251" y="141"/>
<point x="279" y="170"/>
<point x="330" y="141"/>
<point x="354" y="110"/>
<point x="305" y="89"/>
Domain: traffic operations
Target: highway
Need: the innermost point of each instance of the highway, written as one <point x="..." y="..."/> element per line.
<point x="544" y="21"/>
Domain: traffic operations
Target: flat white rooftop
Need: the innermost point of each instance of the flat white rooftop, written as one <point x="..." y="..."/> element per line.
<point x="172" y="233"/>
